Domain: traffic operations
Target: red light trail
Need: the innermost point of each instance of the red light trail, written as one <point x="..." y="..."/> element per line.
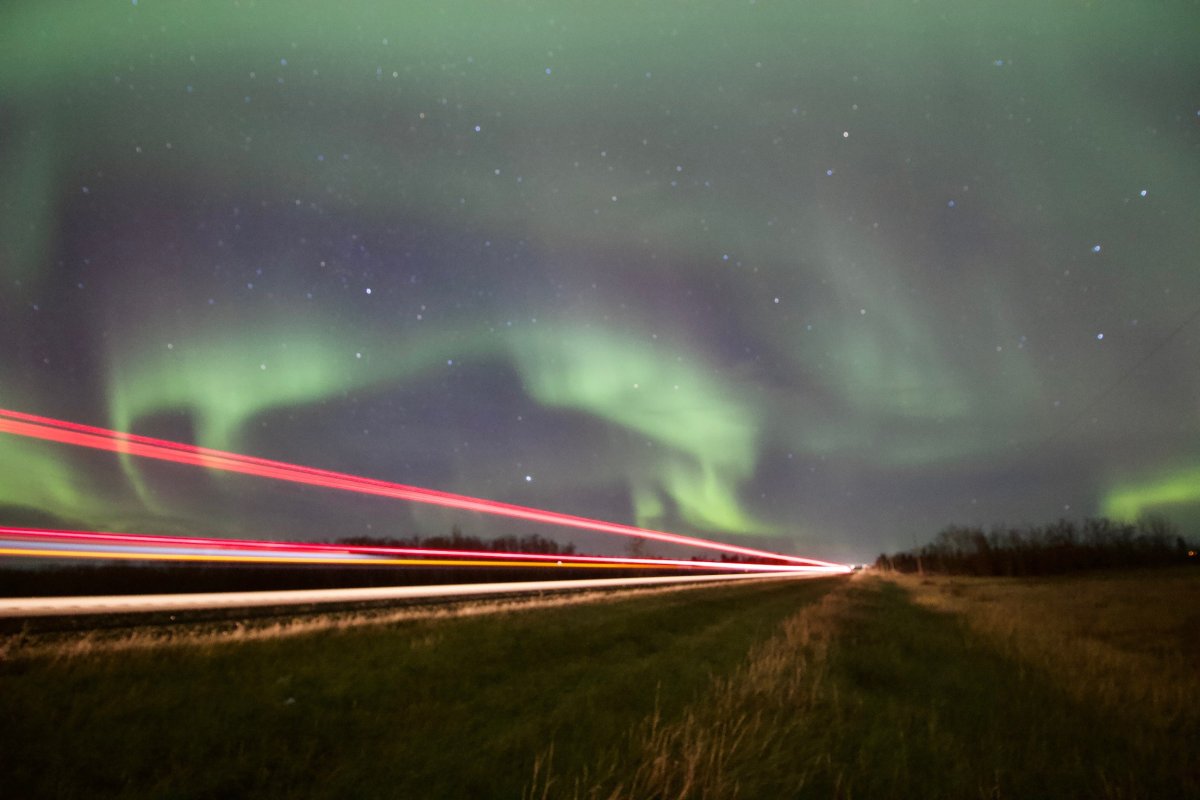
<point x="42" y="543"/>
<point x="48" y="429"/>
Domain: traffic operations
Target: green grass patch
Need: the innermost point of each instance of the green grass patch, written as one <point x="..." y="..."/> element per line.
<point x="424" y="708"/>
<point x="868" y="694"/>
<point x="918" y="702"/>
<point x="848" y="688"/>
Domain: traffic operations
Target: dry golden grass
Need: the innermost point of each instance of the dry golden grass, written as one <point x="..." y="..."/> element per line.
<point x="1127" y="641"/>
<point x="703" y="753"/>
<point x="941" y="688"/>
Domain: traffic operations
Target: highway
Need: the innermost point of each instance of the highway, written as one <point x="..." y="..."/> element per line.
<point x="132" y="604"/>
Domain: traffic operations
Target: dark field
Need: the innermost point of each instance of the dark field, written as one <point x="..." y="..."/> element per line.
<point x="863" y="687"/>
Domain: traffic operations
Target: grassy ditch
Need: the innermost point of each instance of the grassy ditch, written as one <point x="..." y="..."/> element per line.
<point x="870" y="694"/>
<point x="416" y="708"/>
<point x="851" y="688"/>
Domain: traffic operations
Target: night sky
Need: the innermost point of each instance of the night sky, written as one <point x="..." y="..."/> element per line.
<point x="820" y="276"/>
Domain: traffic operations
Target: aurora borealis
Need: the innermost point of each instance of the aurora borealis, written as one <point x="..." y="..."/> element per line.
<point x="822" y="276"/>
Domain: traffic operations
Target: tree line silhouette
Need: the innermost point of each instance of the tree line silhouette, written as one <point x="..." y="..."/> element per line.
<point x="1055" y="548"/>
<point x="533" y="543"/>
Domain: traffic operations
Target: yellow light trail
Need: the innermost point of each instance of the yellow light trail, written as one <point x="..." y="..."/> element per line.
<point x="281" y="559"/>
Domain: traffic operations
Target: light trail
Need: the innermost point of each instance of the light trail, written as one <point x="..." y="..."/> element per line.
<point x="46" y="428"/>
<point x="7" y="550"/>
<point x="122" y="604"/>
<point x="43" y="543"/>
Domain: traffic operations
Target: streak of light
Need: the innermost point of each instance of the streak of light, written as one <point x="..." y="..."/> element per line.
<point x="30" y="425"/>
<point x="7" y="549"/>
<point x="61" y="542"/>
<point x="120" y="604"/>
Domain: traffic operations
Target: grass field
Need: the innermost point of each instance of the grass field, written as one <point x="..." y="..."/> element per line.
<point x="419" y="708"/>
<point x="863" y="687"/>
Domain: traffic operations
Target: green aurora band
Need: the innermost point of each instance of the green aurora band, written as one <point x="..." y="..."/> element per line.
<point x="226" y="379"/>
<point x="1162" y="496"/>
